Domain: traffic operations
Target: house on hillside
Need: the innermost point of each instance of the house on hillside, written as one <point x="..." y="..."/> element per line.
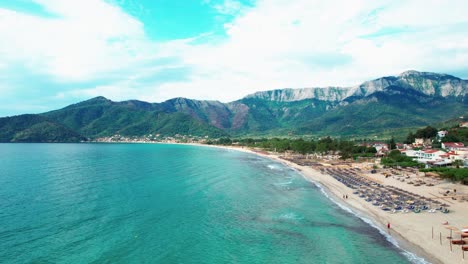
<point x="441" y="134"/>
<point x="464" y="124"/>
<point x="382" y="148"/>
<point x="422" y="142"/>
<point x="452" y="146"/>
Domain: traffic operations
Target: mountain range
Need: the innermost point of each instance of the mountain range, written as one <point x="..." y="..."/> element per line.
<point x="411" y="99"/>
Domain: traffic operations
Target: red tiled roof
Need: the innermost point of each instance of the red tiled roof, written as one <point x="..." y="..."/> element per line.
<point x="453" y="144"/>
<point x="430" y="150"/>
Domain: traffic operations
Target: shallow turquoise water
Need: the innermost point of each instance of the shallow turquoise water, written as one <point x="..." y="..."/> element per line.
<point x="132" y="203"/>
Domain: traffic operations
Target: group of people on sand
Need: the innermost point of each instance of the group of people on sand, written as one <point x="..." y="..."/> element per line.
<point x="345" y="196"/>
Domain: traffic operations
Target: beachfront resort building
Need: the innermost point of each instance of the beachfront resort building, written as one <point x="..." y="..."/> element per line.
<point x="436" y="157"/>
<point x="427" y="155"/>
<point x="449" y="146"/>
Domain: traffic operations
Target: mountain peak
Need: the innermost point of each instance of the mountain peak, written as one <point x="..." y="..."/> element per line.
<point x="409" y="72"/>
<point x="430" y="75"/>
<point x="99" y="98"/>
<point x="290" y="95"/>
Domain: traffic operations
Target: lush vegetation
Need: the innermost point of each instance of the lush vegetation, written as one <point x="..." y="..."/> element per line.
<point x="392" y="109"/>
<point x="35" y="128"/>
<point x="456" y="174"/>
<point x="427" y="132"/>
<point x="346" y="149"/>
<point x="388" y="112"/>
<point x="100" y="117"/>
<point x="455" y="134"/>
<point x="383" y="113"/>
<point x="396" y="159"/>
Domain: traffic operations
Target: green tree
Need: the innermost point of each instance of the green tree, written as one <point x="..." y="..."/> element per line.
<point x="410" y="138"/>
<point x="451" y="138"/>
<point x="392" y="143"/>
<point x="457" y="163"/>
<point x="427" y="132"/>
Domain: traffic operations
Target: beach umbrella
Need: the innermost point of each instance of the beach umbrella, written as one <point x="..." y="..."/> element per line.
<point x="450" y="237"/>
<point x="451" y="228"/>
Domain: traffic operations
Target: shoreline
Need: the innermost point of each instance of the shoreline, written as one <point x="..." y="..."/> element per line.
<point x="410" y="232"/>
<point x="406" y="229"/>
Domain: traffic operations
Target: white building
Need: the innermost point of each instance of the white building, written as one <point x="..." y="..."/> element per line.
<point x="442" y="133"/>
<point x="430" y="156"/>
<point x="452" y="145"/>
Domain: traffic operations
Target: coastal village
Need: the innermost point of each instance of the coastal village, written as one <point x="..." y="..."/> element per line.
<point x="421" y="150"/>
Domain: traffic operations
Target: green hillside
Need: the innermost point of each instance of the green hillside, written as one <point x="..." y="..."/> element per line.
<point x="388" y="106"/>
<point x="99" y="117"/>
<point x="389" y="110"/>
<point x="35" y="128"/>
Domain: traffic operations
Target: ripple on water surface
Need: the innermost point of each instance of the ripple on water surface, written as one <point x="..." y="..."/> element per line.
<point x="118" y="203"/>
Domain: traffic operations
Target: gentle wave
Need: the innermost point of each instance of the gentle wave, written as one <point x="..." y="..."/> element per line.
<point x="409" y="255"/>
<point x="150" y="203"/>
<point x="274" y="167"/>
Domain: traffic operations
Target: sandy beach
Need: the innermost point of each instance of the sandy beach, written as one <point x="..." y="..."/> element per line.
<point x="424" y="234"/>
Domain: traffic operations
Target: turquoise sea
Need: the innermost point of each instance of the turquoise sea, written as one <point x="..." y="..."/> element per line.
<point x="155" y="203"/>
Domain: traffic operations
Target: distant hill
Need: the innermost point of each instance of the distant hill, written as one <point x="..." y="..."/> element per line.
<point x="392" y="108"/>
<point x="100" y="117"/>
<point x="432" y="84"/>
<point x="381" y="106"/>
<point x="35" y="128"/>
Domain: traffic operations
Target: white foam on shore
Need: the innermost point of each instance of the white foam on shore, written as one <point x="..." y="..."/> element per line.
<point x="413" y="258"/>
<point x="274" y="167"/>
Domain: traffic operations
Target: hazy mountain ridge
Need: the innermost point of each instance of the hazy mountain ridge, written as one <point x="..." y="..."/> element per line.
<point x="394" y="108"/>
<point x="408" y="100"/>
<point x="433" y="84"/>
<point x="289" y="94"/>
<point x="100" y="117"/>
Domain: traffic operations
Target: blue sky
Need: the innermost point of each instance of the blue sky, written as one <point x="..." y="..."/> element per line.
<point x="54" y="52"/>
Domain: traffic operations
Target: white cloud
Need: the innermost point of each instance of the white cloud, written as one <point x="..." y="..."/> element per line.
<point x="229" y="7"/>
<point x="86" y="39"/>
<point x="291" y="44"/>
<point x="274" y="44"/>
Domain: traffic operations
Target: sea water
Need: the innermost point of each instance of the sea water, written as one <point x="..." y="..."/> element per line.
<point x="156" y="203"/>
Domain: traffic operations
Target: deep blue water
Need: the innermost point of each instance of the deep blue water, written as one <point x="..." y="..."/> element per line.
<point x="154" y="203"/>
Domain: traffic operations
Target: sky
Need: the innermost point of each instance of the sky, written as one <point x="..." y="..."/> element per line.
<point x="57" y="52"/>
